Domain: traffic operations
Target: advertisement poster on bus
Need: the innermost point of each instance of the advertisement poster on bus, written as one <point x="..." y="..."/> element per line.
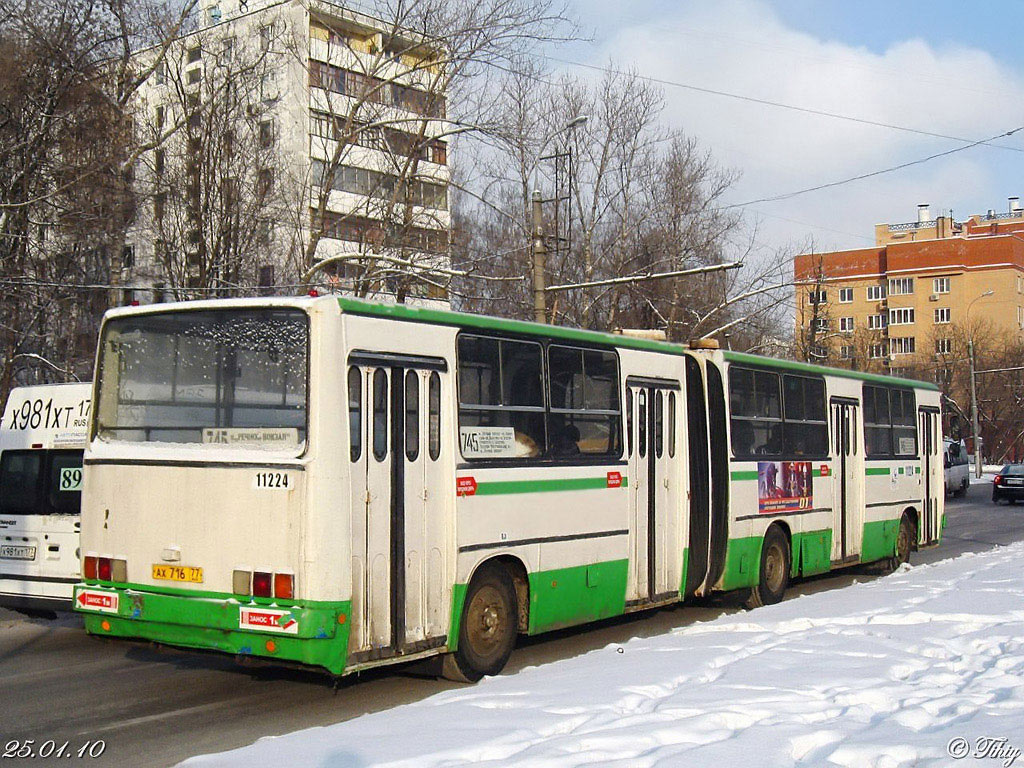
<point x="784" y="486"/>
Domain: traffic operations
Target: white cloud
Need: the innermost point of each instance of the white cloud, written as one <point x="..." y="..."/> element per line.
<point x="741" y="46"/>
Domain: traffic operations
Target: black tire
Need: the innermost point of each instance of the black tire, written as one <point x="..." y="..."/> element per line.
<point x="962" y="490"/>
<point x="906" y="537"/>
<point x="487" y="632"/>
<point x="774" y="574"/>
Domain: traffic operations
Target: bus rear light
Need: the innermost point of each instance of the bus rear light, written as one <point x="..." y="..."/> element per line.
<point x="284" y="585"/>
<point x="241" y="582"/>
<point x="103" y="569"/>
<point x="119" y="571"/>
<point x="261" y="584"/>
<point x="89" y="567"/>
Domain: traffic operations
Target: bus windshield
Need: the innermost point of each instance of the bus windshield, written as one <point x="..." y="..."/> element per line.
<point x="232" y="378"/>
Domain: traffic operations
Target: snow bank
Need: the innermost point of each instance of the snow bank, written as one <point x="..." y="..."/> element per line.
<point x="885" y="673"/>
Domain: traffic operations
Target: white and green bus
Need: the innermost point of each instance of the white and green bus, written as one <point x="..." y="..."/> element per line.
<point x="42" y="437"/>
<point x="347" y="484"/>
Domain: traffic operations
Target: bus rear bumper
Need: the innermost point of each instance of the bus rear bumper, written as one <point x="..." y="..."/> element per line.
<point x="313" y="634"/>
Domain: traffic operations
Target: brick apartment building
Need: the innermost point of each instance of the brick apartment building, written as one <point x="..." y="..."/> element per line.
<point x="906" y="304"/>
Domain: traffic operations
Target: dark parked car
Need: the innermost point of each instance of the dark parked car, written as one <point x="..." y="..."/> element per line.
<point x="1009" y="484"/>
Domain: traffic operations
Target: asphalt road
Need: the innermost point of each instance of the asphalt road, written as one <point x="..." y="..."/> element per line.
<point x="155" y="707"/>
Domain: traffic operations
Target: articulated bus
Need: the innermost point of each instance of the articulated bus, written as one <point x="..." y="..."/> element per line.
<point x="42" y="437"/>
<point x="346" y="484"/>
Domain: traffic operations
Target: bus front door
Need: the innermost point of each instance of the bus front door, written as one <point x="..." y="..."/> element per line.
<point x="929" y="440"/>
<point x="398" y="528"/>
<point x="848" y="493"/>
<point x="656" y="482"/>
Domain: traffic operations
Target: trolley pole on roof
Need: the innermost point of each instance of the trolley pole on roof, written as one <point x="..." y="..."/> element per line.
<point x="539" y="253"/>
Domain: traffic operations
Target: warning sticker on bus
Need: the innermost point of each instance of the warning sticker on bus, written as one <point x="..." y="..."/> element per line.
<point x="784" y="486"/>
<point x="268" y="620"/>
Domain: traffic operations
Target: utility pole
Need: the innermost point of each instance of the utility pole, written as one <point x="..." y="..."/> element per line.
<point x="540" y="253"/>
<point x="974" y="412"/>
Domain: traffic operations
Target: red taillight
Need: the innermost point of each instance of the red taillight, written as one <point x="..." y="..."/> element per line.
<point x="103" y="569"/>
<point x="89" y="567"/>
<point x="998" y="480"/>
<point x="261" y="584"/>
<point x="284" y="585"/>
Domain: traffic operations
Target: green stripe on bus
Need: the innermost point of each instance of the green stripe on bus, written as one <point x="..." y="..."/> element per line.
<point x="877" y="471"/>
<point x="502" y="487"/>
<point x="744" y="474"/>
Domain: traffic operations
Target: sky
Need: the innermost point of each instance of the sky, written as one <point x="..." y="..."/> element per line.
<point x="955" y="69"/>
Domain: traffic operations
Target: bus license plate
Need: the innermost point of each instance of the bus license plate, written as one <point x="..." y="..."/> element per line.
<point x="9" y="552"/>
<point x="178" y="573"/>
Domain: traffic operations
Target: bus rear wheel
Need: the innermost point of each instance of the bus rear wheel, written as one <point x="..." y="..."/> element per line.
<point x="905" y="538"/>
<point x="487" y="633"/>
<point x="775" y="564"/>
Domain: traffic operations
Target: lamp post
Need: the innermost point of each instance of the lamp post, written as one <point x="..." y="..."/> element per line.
<point x="974" y="390"/>
<point x="538" y="247"/>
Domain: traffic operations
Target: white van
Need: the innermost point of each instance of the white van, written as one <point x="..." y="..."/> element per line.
<point x="42" y="437"/>
<point x="957" y="467"/>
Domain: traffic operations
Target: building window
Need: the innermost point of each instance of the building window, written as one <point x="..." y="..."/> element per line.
<point x="194" y="54"/>
<point x="266" y="37"/>
<point x="159" y="118"/>
<point x="128" y="257"/>
<point x="194" y="76"/>
<point x="268" y="87"/>
<point x="1020" y="284"/>
<point x="264" y="182"/>
<point x="902" y="345"/>
<point x="901" y="286"/>
<point x="266" y="133"/>
<point x="846" y="295"/>
<point x="846" y="324"/>
<point x="158" y="161"/>
<point x="942" y="316"/>
<point x="876" y="322"/>
<point x="943" y="346"/>
<point x="901" y="316"/>
<point x="821" y="324"/>
<point x="845" y="352"/>
<point x="1020" y="317"/>
<point x="876" y="292"/>
<point x="877" y="351"/>
<point x="817" y="297"/>
<point x="940" y="285"/>
<point x="160" y="73"/>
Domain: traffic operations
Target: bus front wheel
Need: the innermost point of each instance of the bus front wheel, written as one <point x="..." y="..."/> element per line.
<point x="774" y="576"/>
<point x="487" y="633"/>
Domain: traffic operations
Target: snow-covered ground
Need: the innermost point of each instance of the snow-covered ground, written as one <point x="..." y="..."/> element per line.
<point x="893" y="672"/>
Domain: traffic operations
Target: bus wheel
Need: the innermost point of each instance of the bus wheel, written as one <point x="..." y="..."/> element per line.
<point x="905" y="539"/>
<point x="488" y="631"/>
<point x="775" y="563"/>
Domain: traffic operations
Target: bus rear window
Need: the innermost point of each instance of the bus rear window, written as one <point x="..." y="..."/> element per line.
<point x="231" y="378"/>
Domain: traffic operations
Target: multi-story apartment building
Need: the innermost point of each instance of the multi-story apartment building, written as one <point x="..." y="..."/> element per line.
<point x="282" y="132"/>
<point x="908" y="304"/>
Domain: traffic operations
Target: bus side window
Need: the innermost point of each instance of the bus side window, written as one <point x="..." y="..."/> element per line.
<point x="671" y="425"/>
<point x="355" y="413"/>
<point x="641" y="415"/>
<point x="434" y="416"/>
<point x="659" y="423"/>
<point x="380" y="414"/>
<point x="629" y="422"/>
<point x="412" y="415"/>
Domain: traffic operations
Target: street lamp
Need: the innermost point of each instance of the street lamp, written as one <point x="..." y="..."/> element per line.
<point x="539" y="249"/>
<point x="974" y="391"/>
